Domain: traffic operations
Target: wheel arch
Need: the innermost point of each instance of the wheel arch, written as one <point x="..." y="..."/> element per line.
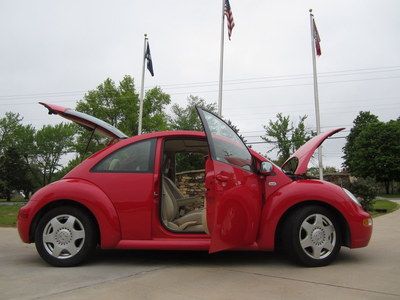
<point x="79" y="193"/>
<point x="62" y="202"/>
<point x="344" y="226"/>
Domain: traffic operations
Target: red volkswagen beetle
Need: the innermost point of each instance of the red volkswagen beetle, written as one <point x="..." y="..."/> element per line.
<point x="131" y="195"/>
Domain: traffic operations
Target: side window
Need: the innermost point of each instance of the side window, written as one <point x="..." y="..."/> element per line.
<point x="134" y="158"/>
<point x="225" y="144"/>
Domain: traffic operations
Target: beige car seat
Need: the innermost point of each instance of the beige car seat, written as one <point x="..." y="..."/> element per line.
<point x="172" y="199"/>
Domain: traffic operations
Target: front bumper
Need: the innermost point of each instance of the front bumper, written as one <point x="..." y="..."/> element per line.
<point x="361" y="230"/>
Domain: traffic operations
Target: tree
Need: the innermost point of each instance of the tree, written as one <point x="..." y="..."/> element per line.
<point x="13" y="173"/>
<point x="20" y="138"/>
<point x="186" y="118"/>
<point x="363" y="119"/>
<point x="51" y="143"/>
<point x="8" y="125"/>
<point x="14" y="134"/>
<point x="314" y="171"/>
<point x="119" y="106"/>
<point x="374" y="151"/>
<point x="285" y="136"/>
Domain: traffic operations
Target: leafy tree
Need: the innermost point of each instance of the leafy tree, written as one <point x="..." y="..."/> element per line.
<point x="8" y="125"/>
<point x="14" y="134"/>
<point x="374" y="152"/>
<point x="363" y="119"/>
<point x="119" y="106"/>
<point x="186" y="118"/>
<point x="285" y="136"/>
<point x="51" y="143"/>
<point x="13" y="173"/>
<point x="314" y="171"/>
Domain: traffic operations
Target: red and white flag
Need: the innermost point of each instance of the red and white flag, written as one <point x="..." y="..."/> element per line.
<point x="229" y="18"/>
<point x="317" y="39"/>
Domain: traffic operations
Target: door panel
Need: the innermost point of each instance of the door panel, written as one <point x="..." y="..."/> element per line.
<point x="233" y="206"/>
<point x="233" y="192"/>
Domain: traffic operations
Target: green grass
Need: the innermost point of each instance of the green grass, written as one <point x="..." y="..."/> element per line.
<point x="8" y="215"/>
<point x="381" y="204"/>
<point x="15" y="199"/>
<point x="389" y="196"/>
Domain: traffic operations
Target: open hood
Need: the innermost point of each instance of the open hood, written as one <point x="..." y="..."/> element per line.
<point x="298" y="162"/>
<point x="89" y="122"/>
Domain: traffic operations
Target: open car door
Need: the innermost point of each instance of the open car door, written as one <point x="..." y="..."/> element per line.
<point x="233" y="193"/>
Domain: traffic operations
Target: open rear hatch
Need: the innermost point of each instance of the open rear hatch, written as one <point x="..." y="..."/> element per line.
<point x="89" y="122"/>
<point x="298" y="162"/>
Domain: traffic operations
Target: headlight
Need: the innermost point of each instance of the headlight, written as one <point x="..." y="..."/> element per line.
<point x="352" y="197"/>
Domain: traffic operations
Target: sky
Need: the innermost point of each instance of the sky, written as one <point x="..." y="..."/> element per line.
<point x="55" y="51"/>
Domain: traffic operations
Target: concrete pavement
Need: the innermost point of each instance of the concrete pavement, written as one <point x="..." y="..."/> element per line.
<point x="368" y="273"/>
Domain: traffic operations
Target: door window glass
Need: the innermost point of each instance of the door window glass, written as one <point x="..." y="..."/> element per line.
<point x="226" y="144"/>
<point x="134" y="158"/>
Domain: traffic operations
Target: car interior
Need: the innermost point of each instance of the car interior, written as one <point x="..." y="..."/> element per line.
<point x="183" y="199"/>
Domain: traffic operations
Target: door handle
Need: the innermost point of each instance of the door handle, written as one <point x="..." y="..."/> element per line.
<point x="222" y="178"/>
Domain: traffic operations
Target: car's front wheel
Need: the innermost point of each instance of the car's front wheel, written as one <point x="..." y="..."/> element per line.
<point x="65" y="236"/>
<point x="311" y="236"/>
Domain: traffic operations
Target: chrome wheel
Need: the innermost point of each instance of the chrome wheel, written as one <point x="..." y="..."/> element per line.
<point x="317" y="236"/>
<point x="63" y="236"/>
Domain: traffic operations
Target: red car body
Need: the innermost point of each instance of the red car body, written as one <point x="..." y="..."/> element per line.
<point x="245" y="210"/>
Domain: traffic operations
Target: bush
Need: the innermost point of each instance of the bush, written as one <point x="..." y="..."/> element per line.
<point x="364" y="189"/>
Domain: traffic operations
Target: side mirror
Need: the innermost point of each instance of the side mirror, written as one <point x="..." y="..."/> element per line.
<point x="266" y="168"/>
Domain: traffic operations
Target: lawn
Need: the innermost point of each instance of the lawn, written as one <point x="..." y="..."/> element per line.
<point x="390" y="196"/>
<point x="380" y="205"/>
<point x="8" y="215"/>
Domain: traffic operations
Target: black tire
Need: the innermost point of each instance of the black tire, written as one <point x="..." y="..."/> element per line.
<point x="318" y="236"/>
<point x="66" y="236"/>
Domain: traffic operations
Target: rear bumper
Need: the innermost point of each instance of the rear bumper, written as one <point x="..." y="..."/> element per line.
<point x="23" y="224"/>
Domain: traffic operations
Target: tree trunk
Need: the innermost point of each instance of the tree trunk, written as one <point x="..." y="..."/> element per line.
<point x="387" y="185"/>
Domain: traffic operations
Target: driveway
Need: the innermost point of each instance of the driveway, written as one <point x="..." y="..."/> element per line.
<point x="369" y="273"/>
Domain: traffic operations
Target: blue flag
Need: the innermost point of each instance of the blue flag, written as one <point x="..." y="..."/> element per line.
<point x="149" y="61"/>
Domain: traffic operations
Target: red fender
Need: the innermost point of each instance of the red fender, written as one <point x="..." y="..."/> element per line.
<point x="80" y="191"/>
<point x="300" y="191"/>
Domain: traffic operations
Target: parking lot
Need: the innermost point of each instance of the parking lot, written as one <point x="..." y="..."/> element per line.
<point x="369" y="273"/>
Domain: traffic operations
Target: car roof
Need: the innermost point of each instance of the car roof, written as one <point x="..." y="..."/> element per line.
<point x="167" y="133"/>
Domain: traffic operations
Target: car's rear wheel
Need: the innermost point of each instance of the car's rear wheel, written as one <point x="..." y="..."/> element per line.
<point x="311" y="236"/>
<point x="65" y="236"/>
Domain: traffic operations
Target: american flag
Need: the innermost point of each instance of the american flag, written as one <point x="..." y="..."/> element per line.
<point x="317" y="39"/>
<point x="229" y="18"/>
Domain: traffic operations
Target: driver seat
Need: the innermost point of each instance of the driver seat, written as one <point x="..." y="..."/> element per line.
<point x="172" y="200"/>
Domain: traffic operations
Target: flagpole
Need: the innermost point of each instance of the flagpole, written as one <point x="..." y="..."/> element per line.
<point x="142" y="87"/>
<point x="221" y="61"/>
<point x="316" y="99"/>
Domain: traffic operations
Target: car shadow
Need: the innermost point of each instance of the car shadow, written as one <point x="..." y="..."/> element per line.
<point x="204" y="259"/>
<point x="193" y="258"/>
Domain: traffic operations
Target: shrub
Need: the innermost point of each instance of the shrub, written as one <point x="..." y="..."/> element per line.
<point x="364" y="189"/>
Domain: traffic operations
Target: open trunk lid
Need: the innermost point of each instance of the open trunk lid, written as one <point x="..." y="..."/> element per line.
<point x="87" y="121"/>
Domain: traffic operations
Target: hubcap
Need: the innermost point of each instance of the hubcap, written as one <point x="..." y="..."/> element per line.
<point x="317" y="236"/>
<point x="63" y="236"/>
